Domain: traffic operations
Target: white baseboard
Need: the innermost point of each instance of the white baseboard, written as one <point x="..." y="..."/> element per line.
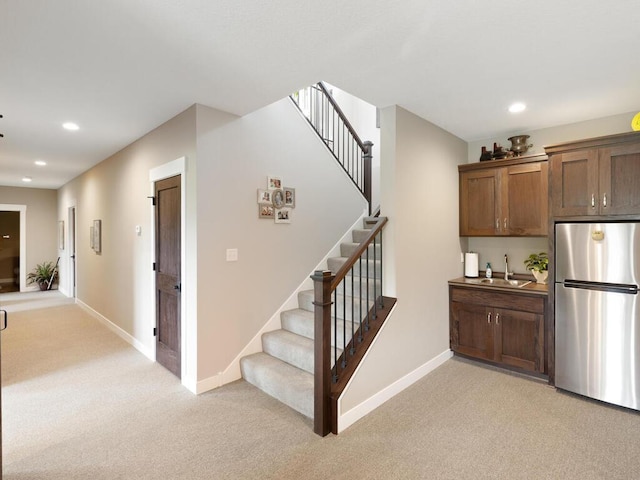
<point x="135" y="343"/>
<point x="349" y="418"/>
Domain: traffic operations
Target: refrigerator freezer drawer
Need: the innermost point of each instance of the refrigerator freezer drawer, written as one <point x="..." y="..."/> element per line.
<point x="598" y="344"/>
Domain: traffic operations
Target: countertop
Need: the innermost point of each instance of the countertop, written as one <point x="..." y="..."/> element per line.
<point x="530" y="288"/>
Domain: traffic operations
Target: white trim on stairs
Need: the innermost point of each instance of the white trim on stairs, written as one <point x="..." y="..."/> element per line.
<point x="347" y="419"/>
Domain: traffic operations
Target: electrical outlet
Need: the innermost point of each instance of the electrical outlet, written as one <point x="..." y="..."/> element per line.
<point x="232" y="254"/>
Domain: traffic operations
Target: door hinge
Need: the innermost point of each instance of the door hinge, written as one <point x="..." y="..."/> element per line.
<point x="154" y="266"/>
<point x="153" y="201"/>
<point x="155" y="332"/>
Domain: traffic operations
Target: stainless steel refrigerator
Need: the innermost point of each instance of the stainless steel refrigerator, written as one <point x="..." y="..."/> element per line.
<point x="597" y="311"/>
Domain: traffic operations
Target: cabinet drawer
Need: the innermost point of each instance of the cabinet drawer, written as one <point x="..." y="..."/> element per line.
<point x="513" y="301"/>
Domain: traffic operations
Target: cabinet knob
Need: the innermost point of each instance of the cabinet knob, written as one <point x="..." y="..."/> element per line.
<point x="593" y="201"/>
<point x="497" y="319"/>
<point x="604" y="200"/>
<point x="505" y="223"/>
<point x="489" y="317"/>
<point x="497" y="224"/>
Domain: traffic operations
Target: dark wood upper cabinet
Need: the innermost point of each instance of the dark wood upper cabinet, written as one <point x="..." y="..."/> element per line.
<point x="504" y="197"/>
<point x="596" y="177"/>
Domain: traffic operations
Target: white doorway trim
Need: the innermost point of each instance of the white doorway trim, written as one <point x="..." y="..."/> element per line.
<point x="23" y="240"/>
<point x="72" y="263"/>
<point x="188" y="337"/>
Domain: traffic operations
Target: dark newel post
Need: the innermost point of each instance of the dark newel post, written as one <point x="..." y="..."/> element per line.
<point x="322" y="351"/>
<point x="366" y="157"/>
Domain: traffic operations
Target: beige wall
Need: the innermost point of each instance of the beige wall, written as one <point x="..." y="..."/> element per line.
<point x="235" y="299"/>
<point x="116" y="283"/>
<point x="422" y="251"/>
<point x="493" y="249"/>
<point x="228" y="159"/>
<point x="41" y="222"/>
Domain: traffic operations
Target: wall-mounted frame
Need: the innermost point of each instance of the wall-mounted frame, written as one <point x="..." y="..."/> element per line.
<point x="274" y="182"/>
<point x="289" y="197"/>
<point x="97" y="236"/>
<point x="61" y="235"/>
<point x="266" y="211"/>
<point x="264" y="197"/>
<point x="283" y="215"/>
<point x="278" y="198"/>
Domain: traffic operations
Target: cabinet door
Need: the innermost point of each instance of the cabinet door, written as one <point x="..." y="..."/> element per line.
<point x="472" y="330"/>
<point x="519" y="339"/>
<point x="479" y="202"/>
<point x="620" y="180"/>
<point x="525" y="199"/>
<point x="574" y="183"/>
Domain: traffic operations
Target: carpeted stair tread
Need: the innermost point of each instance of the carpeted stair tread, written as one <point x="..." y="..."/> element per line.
<point x="358" y="235"/>
<point x="335" y="263"/>
<point x="284" y="382"/>
<point x="289" y="347"/>
<point x="347" y="249"/>
<point x="301" y="322"/>
<point x="298" y="321"/>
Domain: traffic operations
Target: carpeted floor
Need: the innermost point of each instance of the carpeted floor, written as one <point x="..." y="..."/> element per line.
<point x="79" y="403"/>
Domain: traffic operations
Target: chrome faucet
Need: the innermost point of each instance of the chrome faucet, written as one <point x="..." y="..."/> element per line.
<point x="506" y="268"/>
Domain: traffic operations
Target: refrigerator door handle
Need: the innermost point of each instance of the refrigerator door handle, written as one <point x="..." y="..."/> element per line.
<point x="605" y="287"/>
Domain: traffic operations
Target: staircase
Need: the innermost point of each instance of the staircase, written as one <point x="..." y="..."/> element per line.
<point x="285" y="367"/>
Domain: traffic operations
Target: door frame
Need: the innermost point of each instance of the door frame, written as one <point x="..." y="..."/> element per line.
<point x="72" y="263"/>
<point x="187" y="336"/>
<point x="23" y="240"/>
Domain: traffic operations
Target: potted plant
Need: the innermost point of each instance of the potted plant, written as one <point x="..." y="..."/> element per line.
<point x="42" y="274"/>
<point x="538" y="264"/>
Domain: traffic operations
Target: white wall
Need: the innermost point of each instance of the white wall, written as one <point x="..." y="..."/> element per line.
<point x="493" y="249"/>
<point x="236" y="299"/>
<point x="420" y="197"/>
<point x="41" y="222"/>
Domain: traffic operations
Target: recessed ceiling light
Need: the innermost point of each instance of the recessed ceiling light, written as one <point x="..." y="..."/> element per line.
<point x="40" y="163"/>
<point x="70" y="126"/>
<point x="26" y="179"/>
<point x="517" y="107"/>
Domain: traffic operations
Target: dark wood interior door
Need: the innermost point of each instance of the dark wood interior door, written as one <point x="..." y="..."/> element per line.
<point x="168" y="286"/>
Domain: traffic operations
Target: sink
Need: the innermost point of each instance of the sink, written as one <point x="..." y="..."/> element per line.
<point x="498" y="282"/>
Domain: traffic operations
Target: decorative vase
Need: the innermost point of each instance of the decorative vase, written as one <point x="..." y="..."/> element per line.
<point x="541" y="277"/>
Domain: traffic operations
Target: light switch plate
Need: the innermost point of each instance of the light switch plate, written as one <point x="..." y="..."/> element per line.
<point x="232" y="254"/>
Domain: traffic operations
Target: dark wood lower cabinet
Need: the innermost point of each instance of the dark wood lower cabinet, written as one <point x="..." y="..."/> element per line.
<point x="503" y="328"/>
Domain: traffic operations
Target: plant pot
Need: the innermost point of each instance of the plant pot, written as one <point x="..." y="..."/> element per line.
<point x="43" y="286"/>
<point x="541" y="277"/>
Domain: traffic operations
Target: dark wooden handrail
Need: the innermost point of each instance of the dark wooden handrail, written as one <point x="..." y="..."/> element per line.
<point x="355" y="256"/>
<point x="329" y="382"/>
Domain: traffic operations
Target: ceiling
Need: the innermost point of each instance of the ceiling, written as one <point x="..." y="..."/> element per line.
<point x="119" y="68"/>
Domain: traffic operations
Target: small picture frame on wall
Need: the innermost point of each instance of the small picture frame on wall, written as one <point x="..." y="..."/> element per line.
<point x="289" y="197"/>
<point x="264" y="197"/>
<point x="97" y="236"/>
<point x="278" y="198"/>
<point x="274" y="182"/>
<point x="266" y="211"/>
<point x="283" y="215"/>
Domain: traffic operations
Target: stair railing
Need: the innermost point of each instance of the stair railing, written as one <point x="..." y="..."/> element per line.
<point x="350" y="309"/>
<point x="330" y="123"/>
